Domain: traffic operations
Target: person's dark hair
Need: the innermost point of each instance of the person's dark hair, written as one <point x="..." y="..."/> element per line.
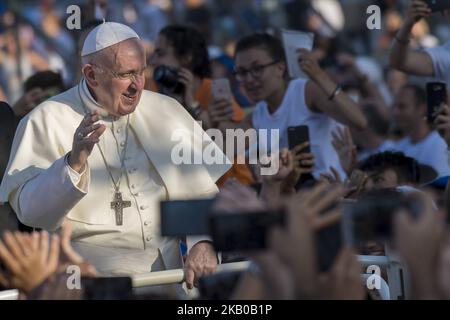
<point x="44" y="80"/>
<point x="406" y="168"/>
<point x="420" y="95"/>
<point x="187" y="41"/>
<point x="265" y="41"/>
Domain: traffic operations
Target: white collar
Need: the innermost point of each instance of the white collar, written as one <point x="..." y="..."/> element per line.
<point x="92" y="105"/>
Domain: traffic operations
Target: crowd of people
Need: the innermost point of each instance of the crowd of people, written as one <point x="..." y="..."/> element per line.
<point x="74" y="136"/>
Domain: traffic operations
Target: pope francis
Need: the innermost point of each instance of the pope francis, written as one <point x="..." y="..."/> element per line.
<point x="99" y="157"/>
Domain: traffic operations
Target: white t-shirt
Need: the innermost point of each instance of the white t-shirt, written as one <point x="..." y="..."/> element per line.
<point x="293" y="111"/>
<point x="432" y="151"/>
<point x="441" y="62"/>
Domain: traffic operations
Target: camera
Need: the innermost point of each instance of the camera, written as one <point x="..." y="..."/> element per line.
<point x="244" y="231"/>
<point x="167" y="78"/>
<point x="370" y="217"/>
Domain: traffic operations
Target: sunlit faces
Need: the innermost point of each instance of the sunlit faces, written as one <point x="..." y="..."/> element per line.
<point x="260" y="75"/>
<point x="117" y="79"/>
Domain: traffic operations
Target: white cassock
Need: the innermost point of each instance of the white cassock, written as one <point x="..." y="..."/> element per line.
<point x="44" y="190"/>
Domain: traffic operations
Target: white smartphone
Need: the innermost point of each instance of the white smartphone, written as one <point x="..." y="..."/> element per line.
<point x="221" y="89"/>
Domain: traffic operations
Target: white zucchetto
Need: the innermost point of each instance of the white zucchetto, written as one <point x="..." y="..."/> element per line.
<point x="106" y="35"/>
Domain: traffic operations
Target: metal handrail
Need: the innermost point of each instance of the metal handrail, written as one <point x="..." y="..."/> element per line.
<point x="177" y="275"/>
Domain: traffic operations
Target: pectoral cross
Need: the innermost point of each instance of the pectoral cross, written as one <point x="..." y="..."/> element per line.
<point x="118" y="205"/>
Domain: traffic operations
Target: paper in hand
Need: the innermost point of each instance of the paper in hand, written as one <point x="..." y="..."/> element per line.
<point x="292" y="41"/>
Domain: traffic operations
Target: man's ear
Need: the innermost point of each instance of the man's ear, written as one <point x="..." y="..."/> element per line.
<point x="89" y="75"/>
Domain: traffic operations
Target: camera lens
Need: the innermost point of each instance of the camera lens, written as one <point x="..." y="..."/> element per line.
<point x="167" y="77"/>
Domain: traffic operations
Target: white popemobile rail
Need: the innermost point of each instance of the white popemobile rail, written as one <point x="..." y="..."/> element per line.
<point x="397" y="289"/>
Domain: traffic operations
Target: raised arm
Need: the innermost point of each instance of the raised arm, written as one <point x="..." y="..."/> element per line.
<point x="401" y="56"/>
<point x="42" y="190"/>
<point x="323" y="95"/>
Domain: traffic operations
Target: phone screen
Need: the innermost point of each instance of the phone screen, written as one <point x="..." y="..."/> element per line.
<point x="298" y="135"/>
<point x="243" y="231"/>
<point x="185" y="217"/>
<point x="328" y="242"/>
<point x="115" y="288"/>
<point x="221" y="89"/>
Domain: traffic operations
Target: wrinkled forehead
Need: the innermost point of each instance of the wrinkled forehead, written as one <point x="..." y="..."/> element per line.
<point x="130" y="51"/>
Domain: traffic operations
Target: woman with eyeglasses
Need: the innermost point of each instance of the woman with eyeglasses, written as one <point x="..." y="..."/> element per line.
<point x="281" y="103"/>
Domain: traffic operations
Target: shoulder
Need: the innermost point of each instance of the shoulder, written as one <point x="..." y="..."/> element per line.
<point x="151" y="100"/>
<point x="260" y="109"/>
<point x="439" y="52"/>
<point x="158" y="106"/>
<point x="436" y="140"/>
<point x="297" y="86"/>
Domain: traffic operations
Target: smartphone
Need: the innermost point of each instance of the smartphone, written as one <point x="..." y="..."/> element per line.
<point x="436" y="95"/>
<point x="218" y="286"/>
<point x="185" y="217"/>
<point x="438" y="5"/>
<point x="243" y="231"/>
<point x="370" y="217"/>
<point x="298" y="135"/>
<point x="113" y="288"/>
<point x="329" y="242"/>
<point x="221" y="89"/>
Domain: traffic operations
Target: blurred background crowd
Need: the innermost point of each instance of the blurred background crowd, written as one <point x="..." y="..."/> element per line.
<point x="35" y="32"/>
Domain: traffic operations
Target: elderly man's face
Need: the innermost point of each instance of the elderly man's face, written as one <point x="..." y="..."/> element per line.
<point x="119" y="80"/>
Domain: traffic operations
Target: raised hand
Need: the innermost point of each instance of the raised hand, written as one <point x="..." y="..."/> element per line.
<point x="442" y="123"/>
<point x="220" y="111"/>
<point x="235" y="197"/>
<point x="29" y="259"/>
<point x="343" y="281"/>
<point x="309" y="64"/>
<point x="418" y="241"/>
<point x="186" y="78"/>
<point x="331" y="178"/>
<point x="417" y="10"/>
<point x="69" y="256"/>
<point x="86" y="136"/>
<point x="345" y="148"/>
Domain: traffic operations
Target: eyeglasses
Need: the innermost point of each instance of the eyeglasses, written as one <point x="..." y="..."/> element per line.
<point x="128" y="75"/>
<point x="255" y="71"/>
